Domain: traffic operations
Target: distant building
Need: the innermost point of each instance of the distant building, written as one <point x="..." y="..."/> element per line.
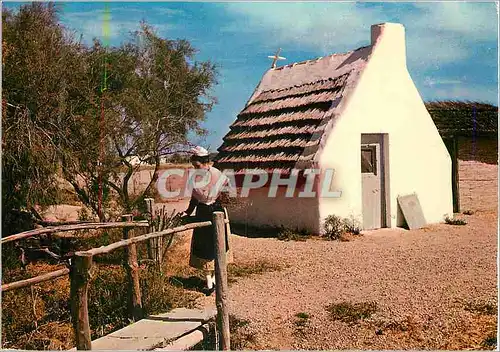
<point x="470" y="132"/>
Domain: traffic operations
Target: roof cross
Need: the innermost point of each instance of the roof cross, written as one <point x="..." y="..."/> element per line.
<point x="276" y="57"/>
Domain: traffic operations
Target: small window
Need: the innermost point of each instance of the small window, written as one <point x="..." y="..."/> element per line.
<point x="368" y="160"/>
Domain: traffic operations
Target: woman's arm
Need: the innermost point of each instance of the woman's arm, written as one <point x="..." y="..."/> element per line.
<point x="192" y="204"/>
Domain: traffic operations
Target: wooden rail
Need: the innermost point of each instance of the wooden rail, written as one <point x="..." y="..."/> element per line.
<point x="35" y="280"/>
<point x="124" y="243"/>
<point x="65" y="228"/>
<point x="81" y="272"/>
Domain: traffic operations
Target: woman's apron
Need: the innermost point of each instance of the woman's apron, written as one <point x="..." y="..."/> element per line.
<point x="203" y="241"/>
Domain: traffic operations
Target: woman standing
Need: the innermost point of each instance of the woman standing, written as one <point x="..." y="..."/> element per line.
<point x="206" y="184"/>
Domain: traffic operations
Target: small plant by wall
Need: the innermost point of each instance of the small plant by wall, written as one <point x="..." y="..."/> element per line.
<point x="335" y="227"/>
<point x="352" y="225"/>
<point x="454" y="221"/>
<point x="286" y="234"/>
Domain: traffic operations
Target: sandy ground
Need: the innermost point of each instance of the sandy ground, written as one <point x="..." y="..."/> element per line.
<point x="421" y="281"/>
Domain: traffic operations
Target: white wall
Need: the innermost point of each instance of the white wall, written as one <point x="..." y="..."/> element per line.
<point x="387" y="101"/>
<point x="293" y="213"/>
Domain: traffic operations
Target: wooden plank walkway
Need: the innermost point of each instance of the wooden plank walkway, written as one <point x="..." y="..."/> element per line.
<point x="178" y="329"/>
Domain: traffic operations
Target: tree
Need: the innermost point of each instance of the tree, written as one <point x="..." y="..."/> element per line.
<point x="61" y="118"/>
<point x="37" y="56"/>
<point x="154" y="96"/>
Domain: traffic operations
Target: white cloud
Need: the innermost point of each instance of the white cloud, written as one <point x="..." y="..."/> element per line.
<point x="91" y="24"/>
<point x="431" y="82"/>
<point x="436" y="32"/>
<point x="475" y="21"/>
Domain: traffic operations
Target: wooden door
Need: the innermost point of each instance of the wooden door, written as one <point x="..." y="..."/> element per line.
<point x="371" y="175"/>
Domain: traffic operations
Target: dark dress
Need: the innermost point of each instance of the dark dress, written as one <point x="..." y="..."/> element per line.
<point x="203" y="241"/>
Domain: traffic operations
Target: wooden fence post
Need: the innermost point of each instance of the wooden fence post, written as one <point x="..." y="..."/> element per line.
<point x="152" y="243"/>
<point x="221" y="287"/>
<point x="80" y="274"/>
<point x="132" y="268"/>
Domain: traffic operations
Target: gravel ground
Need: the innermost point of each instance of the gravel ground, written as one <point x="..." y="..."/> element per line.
<point x="421" y="281"/>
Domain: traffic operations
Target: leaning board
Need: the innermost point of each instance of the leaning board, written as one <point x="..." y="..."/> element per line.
<point x="412" y="211"/>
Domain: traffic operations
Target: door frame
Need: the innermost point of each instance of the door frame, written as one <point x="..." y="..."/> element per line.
<point x="383" y="140"/>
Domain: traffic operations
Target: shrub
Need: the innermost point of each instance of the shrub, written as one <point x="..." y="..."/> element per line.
<point x="41" y="320"/>
<point x="286" y="234"/>
<point x="241" y="270"/>
<point x="351" y="312"/>
<point x="485" y="308"/>
<point x="84" y="214"/>
<point x="490" y="342"/>
<point x="455" y="221"/>
<point x="301" y="323"/>
<point x="352" y="225"/>
<point x="333" y="227"/>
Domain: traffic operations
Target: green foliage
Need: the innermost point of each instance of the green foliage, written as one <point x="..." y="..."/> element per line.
<point x="490" y="342"/>
<point x="351" y="225"/>
<point x="107" y="298"/>
<point x="485" y="308"/>
<point x="301" y="323"/>
<point x="57" y="118"/>
<point x="34" y="89"/>
<point x="42" y="319"/>
<point x="455" y="221"/>
<point x="84" y="214"/>
<point x="178" y="158"/>
<point x="242" y="270"/>
<point x="351" y="312"/>
<point x="333" y="227"/>
<point x="286" y="234"/>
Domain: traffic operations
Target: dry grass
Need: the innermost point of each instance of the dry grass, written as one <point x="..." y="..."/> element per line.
<point x="40" y="319"/>
<point x="291" y="235"/>
<point x="242" y="338"/>
<point x="301" y="324"/>
<point x="242" y="270"/>
<point x="351" y="312"/>
<point x="484" y="308"/>
<point x="455" y="221"/>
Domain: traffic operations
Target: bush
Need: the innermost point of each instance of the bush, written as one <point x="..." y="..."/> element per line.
<point x="291" y="235"/>
<point x="455" y="221"/>
<point x="333" y="227"/>
<point x="242" y="270"/>
<point x="351" y="312"/>
<point x="41" y="320"/>
<point x="352" y="225"/>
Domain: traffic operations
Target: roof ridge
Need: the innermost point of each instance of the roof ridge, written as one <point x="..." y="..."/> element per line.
<point x="319" y="58"/>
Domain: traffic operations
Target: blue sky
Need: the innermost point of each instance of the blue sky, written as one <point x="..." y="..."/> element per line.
<point x="452" y="47"/>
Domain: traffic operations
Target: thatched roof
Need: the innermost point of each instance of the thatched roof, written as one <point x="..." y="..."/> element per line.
<point x="284" y="121"/>
<point x="464" y="117"/>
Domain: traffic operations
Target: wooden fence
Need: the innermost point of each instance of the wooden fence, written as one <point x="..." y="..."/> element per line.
<point x="80" y="271"/>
